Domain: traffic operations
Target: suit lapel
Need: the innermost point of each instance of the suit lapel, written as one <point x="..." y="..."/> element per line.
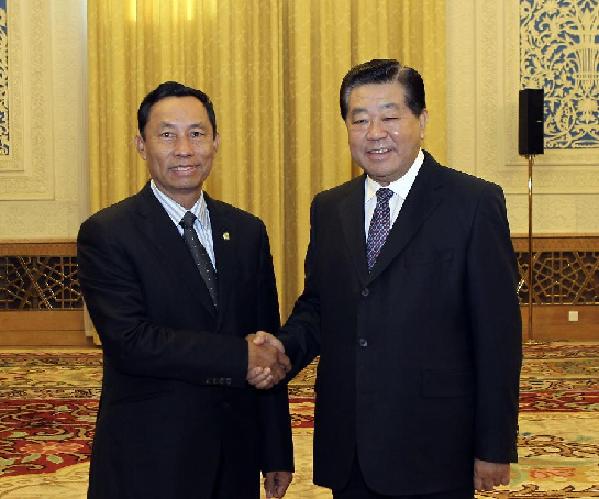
<point x="351" y="212"/>
<point x="160" y="231"/>
<point x="422" y="201"/>
<point x="224" y="242"/>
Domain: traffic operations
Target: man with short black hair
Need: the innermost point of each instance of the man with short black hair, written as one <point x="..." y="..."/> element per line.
<point x="175" y="282"/>
<point x="410" y="301"/>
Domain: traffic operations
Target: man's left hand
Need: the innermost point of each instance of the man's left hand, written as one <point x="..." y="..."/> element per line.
<point x="276" y="483"/>
<point x="488" y="475"/>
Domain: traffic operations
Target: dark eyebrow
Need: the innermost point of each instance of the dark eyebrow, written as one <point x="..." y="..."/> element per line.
<point x="358" y="110"/>
<point x="386" y="105"/>
<point x="172" y="125"/>
<point x="389" y="105"/>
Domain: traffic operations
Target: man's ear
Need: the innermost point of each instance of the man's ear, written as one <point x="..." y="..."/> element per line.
<point x="423" y="118"/>
<point x="216" y="143"/>
<point x="140" y="145"/>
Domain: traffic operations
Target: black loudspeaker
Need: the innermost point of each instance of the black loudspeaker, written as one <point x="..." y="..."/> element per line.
<point x="530" y="130"/>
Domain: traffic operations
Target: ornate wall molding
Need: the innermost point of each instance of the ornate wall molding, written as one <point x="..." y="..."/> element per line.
<point x="26" y="173"/>
<point x="4" y="88"/>
<point x="42" y="180"/>
<point x="12" y="159"/>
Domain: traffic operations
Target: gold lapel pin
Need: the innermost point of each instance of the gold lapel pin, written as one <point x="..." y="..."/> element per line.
<point x="226" y="236"/>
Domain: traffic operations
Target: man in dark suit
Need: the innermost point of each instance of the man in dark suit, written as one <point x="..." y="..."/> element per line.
<point x="174" y="281"/>
<point x="410" y="301"/>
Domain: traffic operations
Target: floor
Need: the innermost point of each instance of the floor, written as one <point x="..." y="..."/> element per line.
<point x="559" y="424"/>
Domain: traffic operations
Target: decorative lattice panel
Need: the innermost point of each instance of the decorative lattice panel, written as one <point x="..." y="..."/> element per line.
<point x="561" y="277"/>
<point x="50" y="282"/>
<point x="39" y="283"/>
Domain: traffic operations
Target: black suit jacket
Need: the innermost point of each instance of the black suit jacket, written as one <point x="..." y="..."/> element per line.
<point x="420" y="358"/>
<point x="175" y="402"/>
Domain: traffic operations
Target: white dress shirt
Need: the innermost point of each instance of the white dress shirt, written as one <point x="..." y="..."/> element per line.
<point x="400" y="187"/>
<point x="176" y="212"/>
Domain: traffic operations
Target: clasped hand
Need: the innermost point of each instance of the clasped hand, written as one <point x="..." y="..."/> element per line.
<point x="267" y="362"/>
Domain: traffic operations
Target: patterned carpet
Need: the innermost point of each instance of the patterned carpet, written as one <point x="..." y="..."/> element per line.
<point x="48" y="403"/>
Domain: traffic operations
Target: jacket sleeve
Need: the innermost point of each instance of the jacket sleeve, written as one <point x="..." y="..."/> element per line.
<point x="274" y="417"/>
<point x="134" y="344"/>
<point x="492" y="280"/>
<point x="301" y="333"/>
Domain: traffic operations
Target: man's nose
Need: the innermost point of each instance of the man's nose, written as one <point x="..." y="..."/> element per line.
<point x="375" y="130"/>
<point x="183" y="146"/>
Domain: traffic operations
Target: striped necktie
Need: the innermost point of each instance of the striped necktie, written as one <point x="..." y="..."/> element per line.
<point x="379" y="226"/>
<point x="200" y="255"/>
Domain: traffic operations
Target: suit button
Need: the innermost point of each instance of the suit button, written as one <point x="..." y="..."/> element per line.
<point x="365" y="292"/>
<point x="362" y="342"/>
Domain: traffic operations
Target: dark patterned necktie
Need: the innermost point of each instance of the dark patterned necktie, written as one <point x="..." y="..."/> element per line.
<point x="199" y="254"/>
<point x="379" y="226"/>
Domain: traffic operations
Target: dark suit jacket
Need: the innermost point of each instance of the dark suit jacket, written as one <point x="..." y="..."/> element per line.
<point x="420" y="359"/>
<point x="174" y="399"/>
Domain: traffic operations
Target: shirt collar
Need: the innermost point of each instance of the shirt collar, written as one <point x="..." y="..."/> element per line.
<point x="176" y="211"/>
<point x="402" y="185"/>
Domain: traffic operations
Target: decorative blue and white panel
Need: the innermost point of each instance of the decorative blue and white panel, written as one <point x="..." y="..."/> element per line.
<point x="559" y="52"/>
<point x="4" y="129"/>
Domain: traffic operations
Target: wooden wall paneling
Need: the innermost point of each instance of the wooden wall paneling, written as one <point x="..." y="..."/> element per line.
<point x="67" y="326"/>
<point x="550" y="323"/>
<point x="43" y="327"/>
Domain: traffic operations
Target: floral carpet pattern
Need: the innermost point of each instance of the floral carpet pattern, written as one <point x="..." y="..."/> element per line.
<point x="48" y="404"/>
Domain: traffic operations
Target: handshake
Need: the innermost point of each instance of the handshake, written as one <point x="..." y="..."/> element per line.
<point x="267" y="362"/>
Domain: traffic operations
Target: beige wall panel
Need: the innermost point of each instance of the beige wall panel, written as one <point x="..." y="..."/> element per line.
<point x="483" y="51"/>
<point x="43" y="185"/>
<point x="556" y="213"/>
<point x="587" y="212"/>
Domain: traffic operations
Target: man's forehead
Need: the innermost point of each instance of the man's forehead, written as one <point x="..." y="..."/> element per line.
<point x="380" y="96"/>
<point x="172" y="110"/>
<point x="171" y="104"/>
<point x="389" y="92"/>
